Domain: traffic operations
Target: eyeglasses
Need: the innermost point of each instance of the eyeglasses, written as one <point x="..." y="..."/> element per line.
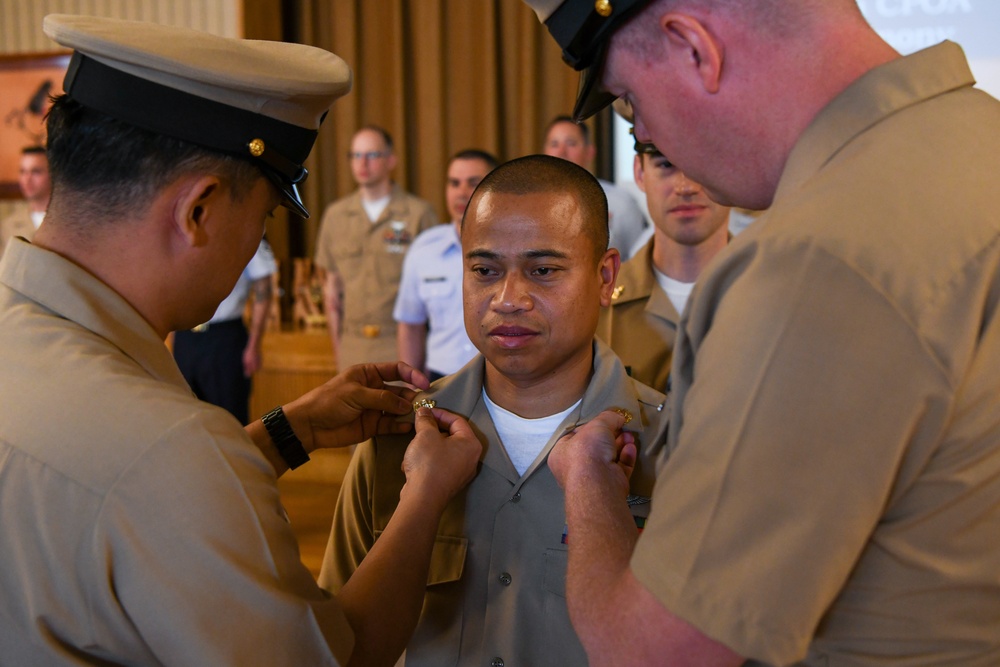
<point x="369" y="155"/>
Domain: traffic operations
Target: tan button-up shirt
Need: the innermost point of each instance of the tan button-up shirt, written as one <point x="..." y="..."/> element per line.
<point x="641" y="323"/>
<point x="140" y="526"/>
<point x="833" y="488"/>
<point x="369" y="258"/>
<point x="497" y="580"/>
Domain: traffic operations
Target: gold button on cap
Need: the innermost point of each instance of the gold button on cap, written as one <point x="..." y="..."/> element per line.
<point x="604" y="8"/>
<point x="256" y="147"/>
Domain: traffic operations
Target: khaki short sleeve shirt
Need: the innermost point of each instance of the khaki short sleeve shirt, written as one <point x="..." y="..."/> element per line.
<point x="834" y="470"/>
<point x="369" y="258"/>
<point x="140" y="525"/>
<point x="641" y="323"/>
<point x="497" y="582"/>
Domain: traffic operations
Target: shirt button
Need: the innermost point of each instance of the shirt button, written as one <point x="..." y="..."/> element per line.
<point x="505" y="579"/>
<point x="497" y="662"/>
<point x="516" y="498"/>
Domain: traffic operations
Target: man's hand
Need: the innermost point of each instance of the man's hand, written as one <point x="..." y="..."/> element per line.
<point x="355" y="405"/>
<point x="440" y="464"/>
<point x="599" y="447"/>
<point x="251" y="360"/>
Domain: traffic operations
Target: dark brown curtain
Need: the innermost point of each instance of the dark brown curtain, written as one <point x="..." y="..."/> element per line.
<point x="440" y="75"/>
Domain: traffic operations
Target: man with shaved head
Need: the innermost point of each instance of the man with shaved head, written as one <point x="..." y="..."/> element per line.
<point x="832" y="492"/>
<point x="537" y="270"/>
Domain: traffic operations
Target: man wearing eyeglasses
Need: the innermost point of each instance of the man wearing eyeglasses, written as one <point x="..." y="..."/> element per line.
<point x="363" y="239"/>
<point x="689" y="230"/>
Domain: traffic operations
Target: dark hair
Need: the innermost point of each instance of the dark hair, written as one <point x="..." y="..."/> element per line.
<point x="584" y="129"/>
<point x="544" y="173"/>
<point x="381" y="131"/>
<point x="33" y="150"/>
<point x="111" y="168"/>
<point x="476" y="154"/>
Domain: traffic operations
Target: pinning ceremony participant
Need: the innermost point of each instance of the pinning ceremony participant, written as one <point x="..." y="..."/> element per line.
<point x="832" y="494"/>
<point x="140" y="525"/>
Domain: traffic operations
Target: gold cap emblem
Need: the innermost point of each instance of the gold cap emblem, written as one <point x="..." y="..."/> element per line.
<point x="256" y="147"/>
<point x="617" y="292"/>
<point x="424" y="403"/>
<point x="604" y="8"/>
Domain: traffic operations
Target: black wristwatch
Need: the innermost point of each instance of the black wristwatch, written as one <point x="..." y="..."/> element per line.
<point x="284" y="438"/>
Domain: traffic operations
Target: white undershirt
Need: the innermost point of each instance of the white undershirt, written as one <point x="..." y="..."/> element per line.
<point x="677" y="291"/>
<point x="374" y="207"/>
<point x="37" y="217"/>
<point x="524" y="439"/>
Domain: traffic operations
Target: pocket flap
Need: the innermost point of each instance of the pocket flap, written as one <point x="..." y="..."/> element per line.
<point x="447" y="558"/>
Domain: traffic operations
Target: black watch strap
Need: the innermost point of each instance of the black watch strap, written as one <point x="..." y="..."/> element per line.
<point x="284" y="438"/>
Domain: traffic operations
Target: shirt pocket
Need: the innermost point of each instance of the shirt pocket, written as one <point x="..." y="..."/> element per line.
<point x="562" y="646"/>
<point x="555" y="571"/>
<point x="347" y="259"/>
<point x="447" y="559"/>
<point x="389" y="265"/>
<point x="441" y="298"/>
<point x="437" y="638"/>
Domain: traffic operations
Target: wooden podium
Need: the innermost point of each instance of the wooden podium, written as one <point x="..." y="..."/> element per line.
<point x="292" y="363"/>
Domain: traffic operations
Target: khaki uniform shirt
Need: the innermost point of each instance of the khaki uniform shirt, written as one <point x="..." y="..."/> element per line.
<point x="834" y="471"/>
<point x="369" y="258"/>
<point x="641" y="323"/>
<point x="496" y="588"/>
<point x="140" y="526"/>
<point x="18" y="223"/>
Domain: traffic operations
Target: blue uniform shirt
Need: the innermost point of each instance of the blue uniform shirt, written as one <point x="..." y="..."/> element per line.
<point x="430" y="292"/>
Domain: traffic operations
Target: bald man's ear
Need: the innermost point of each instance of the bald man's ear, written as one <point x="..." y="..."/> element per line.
<point x="611" y="262"/>
<point x="196" y="195"/>
<point x="697" y="52"/>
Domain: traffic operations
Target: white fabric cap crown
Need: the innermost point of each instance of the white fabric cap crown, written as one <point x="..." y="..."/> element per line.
<point x="256" y="99"/>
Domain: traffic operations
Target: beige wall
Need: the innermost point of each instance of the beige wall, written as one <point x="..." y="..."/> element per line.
<point x="21" y="22"/>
